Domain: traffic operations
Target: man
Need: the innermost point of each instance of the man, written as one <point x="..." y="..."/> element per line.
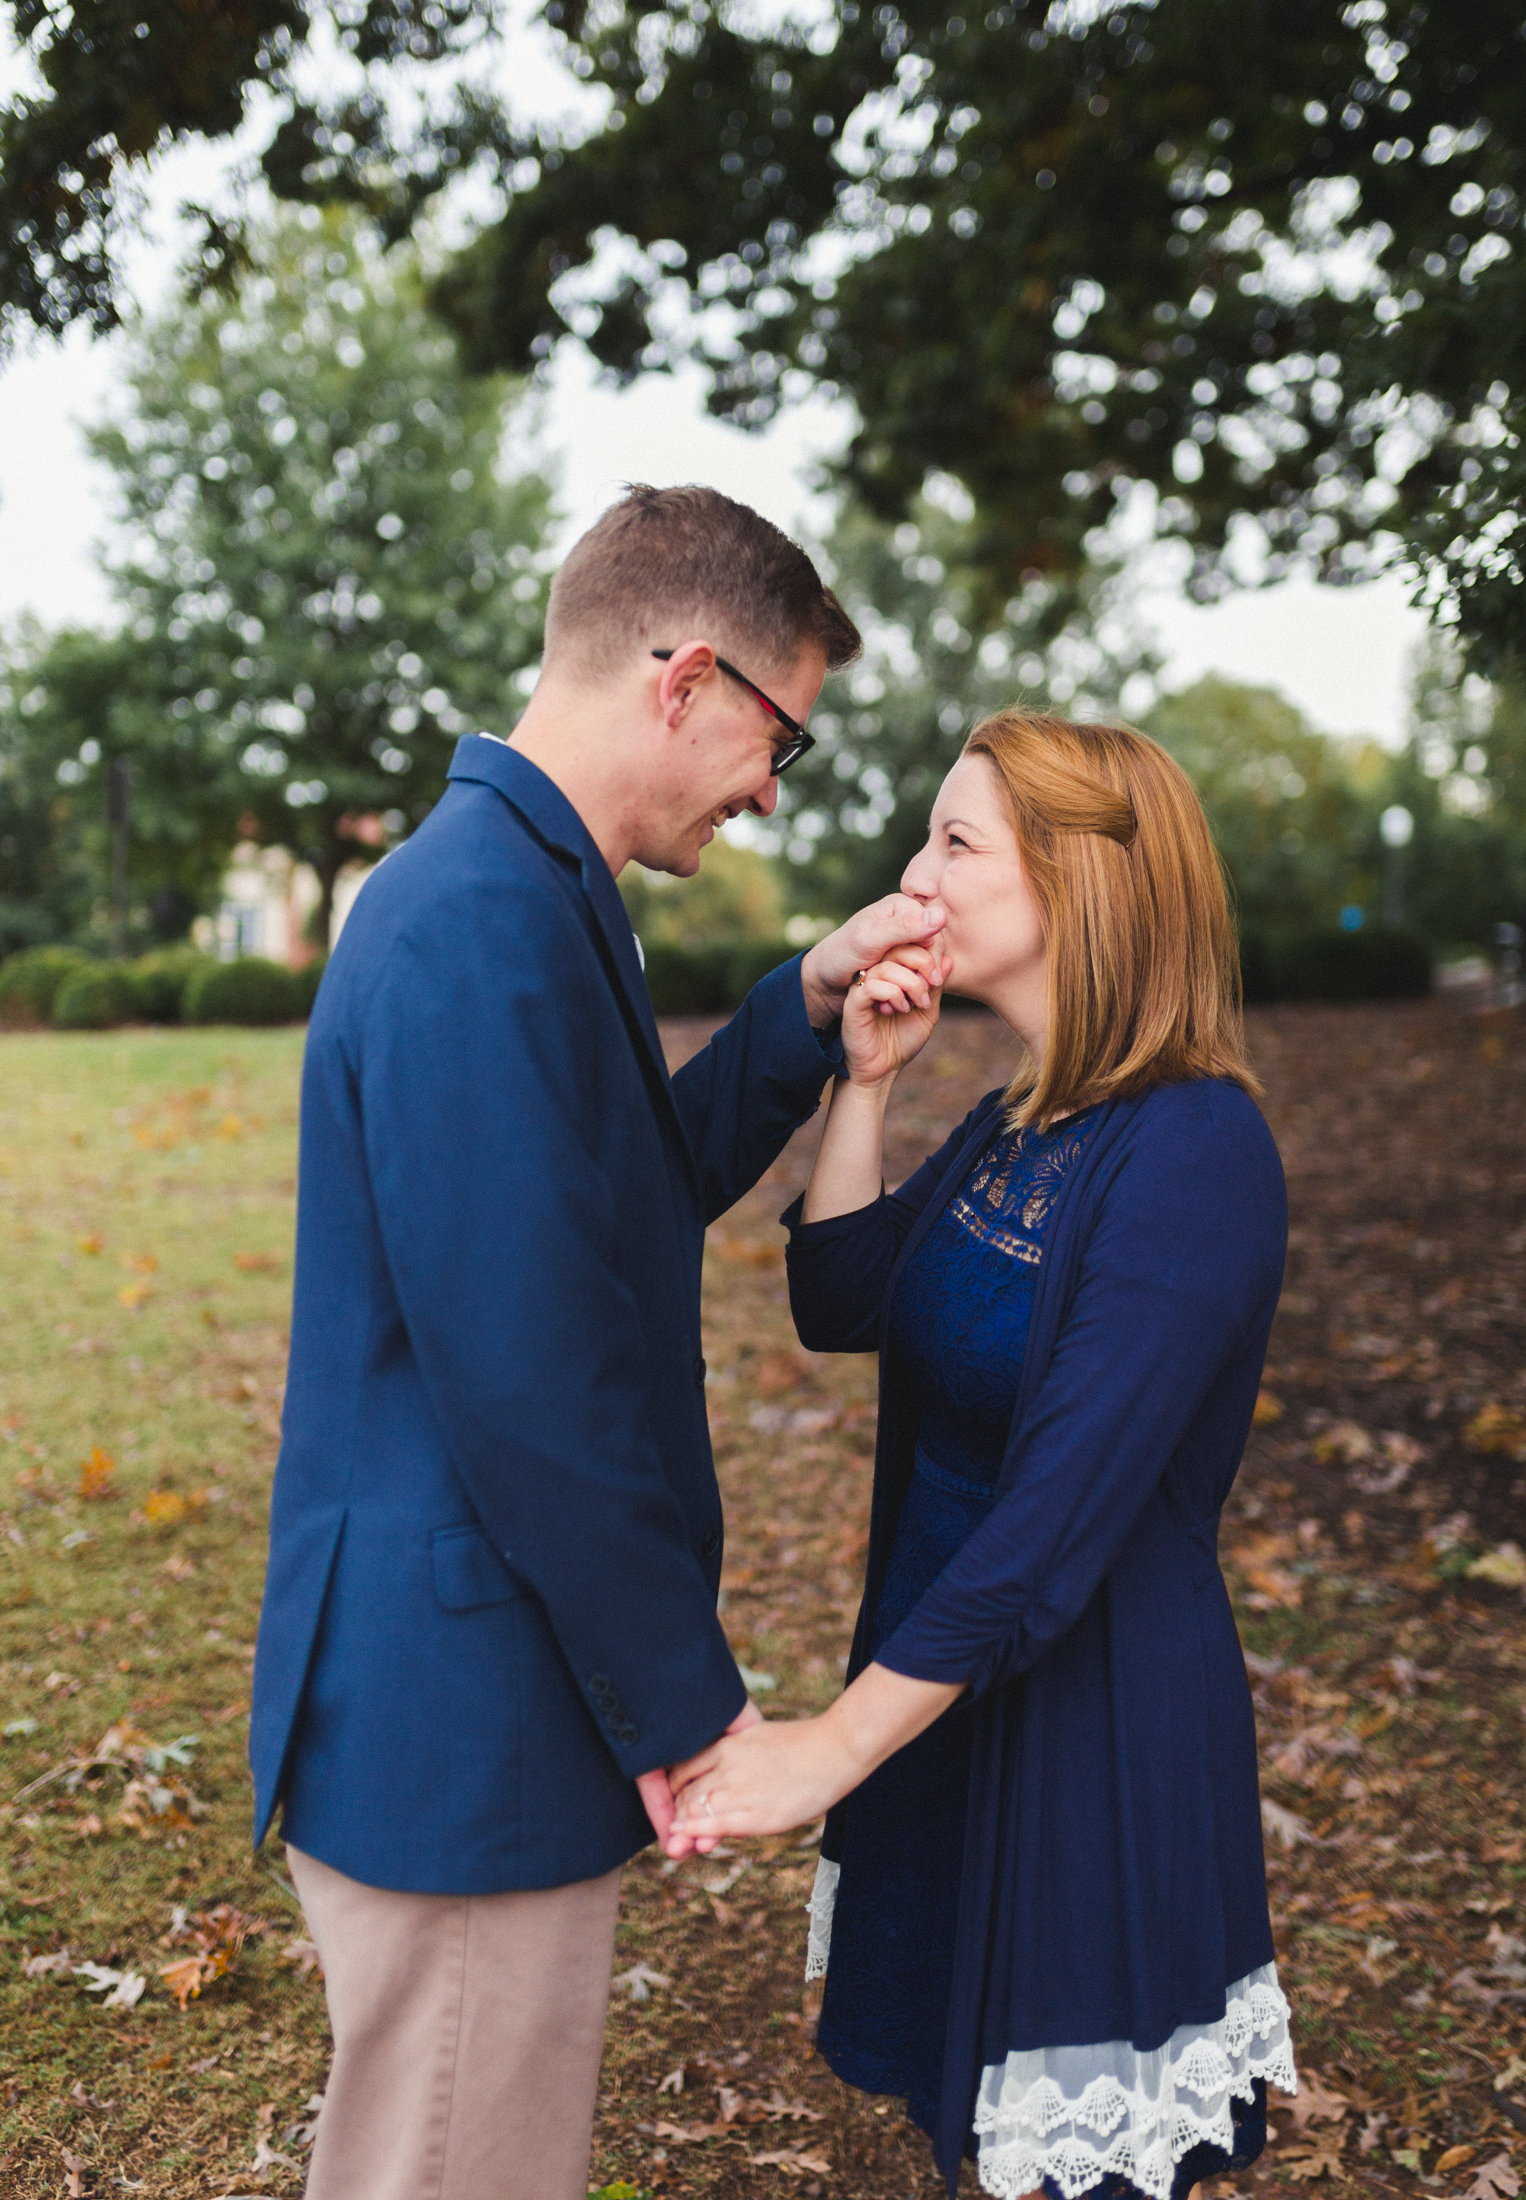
<point x="490" y="1618"/>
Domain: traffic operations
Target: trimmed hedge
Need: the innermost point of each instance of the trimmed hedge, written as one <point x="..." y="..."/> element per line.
<point x="706" y="981"/>
<point x="31" y="981"/>
<point x="1380" y="962"/>
<point x="250" y="991"/>
<point x="160" y="979"/>
<point x="95" y="998"/>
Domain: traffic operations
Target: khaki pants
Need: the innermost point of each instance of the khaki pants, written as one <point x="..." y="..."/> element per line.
<point x="467" y="2033"/>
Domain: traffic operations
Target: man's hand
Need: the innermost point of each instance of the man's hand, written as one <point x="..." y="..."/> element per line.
<point x="657" y="1800"/>
<point x="833" y="963"/>
<point x="657" y="1794"/>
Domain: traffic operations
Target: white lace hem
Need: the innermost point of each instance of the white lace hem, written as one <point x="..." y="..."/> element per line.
<point x="820" y="1907"/>
<point x="1075" y="2113"/>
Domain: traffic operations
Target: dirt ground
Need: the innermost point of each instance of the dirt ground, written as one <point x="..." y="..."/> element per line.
<point x="1384" y="1484"/>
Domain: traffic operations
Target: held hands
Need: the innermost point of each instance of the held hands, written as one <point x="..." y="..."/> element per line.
<point x="890" y="1012"/>
<point x="830" y="968"/>
<point x="780" y="1773"/>
<point x="656" y="1793"/>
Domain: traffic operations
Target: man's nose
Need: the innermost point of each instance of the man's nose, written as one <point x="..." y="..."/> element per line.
<point x="766" y="800"/>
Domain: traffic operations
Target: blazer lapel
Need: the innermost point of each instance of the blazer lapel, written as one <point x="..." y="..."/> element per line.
<point x="551" y="817"/>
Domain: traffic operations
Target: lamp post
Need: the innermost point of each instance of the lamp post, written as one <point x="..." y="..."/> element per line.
<point x="1397" y="828"/>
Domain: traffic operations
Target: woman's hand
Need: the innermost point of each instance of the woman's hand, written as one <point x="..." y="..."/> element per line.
<point x="786" y="1772"/>
<point x="890" y="1011"/>
<point x="783" y="1773"/>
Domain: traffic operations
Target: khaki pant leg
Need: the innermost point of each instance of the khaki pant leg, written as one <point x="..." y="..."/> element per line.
<point x="467" y="2035"/>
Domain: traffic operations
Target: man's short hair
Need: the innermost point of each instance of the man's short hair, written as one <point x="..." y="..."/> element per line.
<point x="666" y="565"/>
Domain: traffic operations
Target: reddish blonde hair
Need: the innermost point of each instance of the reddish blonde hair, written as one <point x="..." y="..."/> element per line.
<point x="1143" y="968"/>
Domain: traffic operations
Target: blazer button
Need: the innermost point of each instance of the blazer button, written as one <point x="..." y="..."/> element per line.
<point x="598" y="1685"/>
<point x="712" y="1543"/>
<point x="700" y="1372"/>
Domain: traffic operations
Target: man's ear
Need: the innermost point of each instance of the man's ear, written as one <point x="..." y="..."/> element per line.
<point x="680" y="680"/>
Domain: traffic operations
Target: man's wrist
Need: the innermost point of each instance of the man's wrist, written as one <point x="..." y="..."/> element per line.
<point x="823" y="1003"/>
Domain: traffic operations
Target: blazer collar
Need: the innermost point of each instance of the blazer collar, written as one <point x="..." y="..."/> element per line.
<point x="554" y="821"/>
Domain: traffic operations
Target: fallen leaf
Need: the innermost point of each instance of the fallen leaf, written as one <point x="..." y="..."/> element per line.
<point x="304" y="1955"/>
<point x="1493" y="2180"/>
<point x="95" y="1475"/>
<point x="798" y="2165"/>
<point x="1284" y="1826"/>
<point x="1497" y="1428"/>
<point x="1267" y="1409"/>
<point x="1453" y="2158"/>
<point x="93" y="1243"/>
<point x="74" y="2172"/>
<point x="1320" y="2159"/>
<point x="257" y="1263"/>
<point x="1315" y="2102"/>
<point x="639" y="1980"/>
<point x="1505" y="1565"/>
<point x="120" y="1989"/>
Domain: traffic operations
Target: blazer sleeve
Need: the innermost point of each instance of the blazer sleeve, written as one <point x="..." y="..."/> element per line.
<point x="477" y="1083"/>
<point x="840" y="1268"/>
<point x="1178" y="1282"/>
<point x="742" y="1097"/>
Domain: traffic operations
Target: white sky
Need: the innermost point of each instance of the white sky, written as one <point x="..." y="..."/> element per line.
<point x="1341" y="656"/>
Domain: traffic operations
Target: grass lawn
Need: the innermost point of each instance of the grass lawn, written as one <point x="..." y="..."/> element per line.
<point x="146" y="1184"/>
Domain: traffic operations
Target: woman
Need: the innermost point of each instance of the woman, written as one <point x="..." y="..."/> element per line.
<point x="1042" y="1908"/>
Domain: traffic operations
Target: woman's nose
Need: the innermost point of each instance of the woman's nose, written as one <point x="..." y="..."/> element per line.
<point x="917" y="879"/>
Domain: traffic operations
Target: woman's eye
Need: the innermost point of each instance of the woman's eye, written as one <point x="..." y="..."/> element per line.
<point x="956" y="840"/>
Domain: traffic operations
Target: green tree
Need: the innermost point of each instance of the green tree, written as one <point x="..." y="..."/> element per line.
<point x="853" y="812"/>
<point x="1462" y="777"/>
<point x="68" y="703"/>
<point x="1287" y="805"/>
<point x="1254" y="257"/>
<point x="327" y="575"/>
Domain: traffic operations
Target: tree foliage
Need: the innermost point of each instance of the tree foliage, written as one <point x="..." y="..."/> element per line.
<point x="1257" y="255"/>
<point x="121" y="80"/>
<point x="325" y="579"/>
<point x="1292" y="811"/>
<point x="853" y="812"/>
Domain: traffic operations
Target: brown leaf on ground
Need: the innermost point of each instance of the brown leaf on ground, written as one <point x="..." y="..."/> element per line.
<point x="1315" y="2102"/>
<point x="1493" y="2180"/>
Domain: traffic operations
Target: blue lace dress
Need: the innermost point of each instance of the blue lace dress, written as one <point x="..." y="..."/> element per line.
<point x="959" y="1324"/>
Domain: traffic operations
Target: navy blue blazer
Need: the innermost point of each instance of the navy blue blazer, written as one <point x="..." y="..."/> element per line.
<point x="1113" y="1880"/>
<point x="496" y="1531"/>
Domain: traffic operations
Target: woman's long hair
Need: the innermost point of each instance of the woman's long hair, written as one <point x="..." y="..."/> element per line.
<point x="1143" y="967"/>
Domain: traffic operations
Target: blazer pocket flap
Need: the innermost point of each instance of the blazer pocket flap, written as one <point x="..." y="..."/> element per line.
<point x="469" y="1573"/>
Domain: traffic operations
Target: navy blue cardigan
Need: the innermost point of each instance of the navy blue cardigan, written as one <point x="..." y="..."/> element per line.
<point x="1113" y="1880"/>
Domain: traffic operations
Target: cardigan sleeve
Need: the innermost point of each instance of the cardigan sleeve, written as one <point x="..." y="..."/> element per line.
<point x="1175" y="1292"/>
<point x="839" y="1268"/>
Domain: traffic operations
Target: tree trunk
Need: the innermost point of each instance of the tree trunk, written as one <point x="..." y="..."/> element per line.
<point x="328" y="864"/>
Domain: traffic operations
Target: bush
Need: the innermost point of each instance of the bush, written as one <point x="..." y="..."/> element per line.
<point x="95" y="998"/>
<point x="30" y="981"/>
<point x="160" y="979"/>
<point x="1378" y="963"/>
<point x="250" y="991"/>
<point x="706" y="981"/>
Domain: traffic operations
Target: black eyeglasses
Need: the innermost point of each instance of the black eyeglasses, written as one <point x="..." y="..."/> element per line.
<point x="794" y="748"/>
